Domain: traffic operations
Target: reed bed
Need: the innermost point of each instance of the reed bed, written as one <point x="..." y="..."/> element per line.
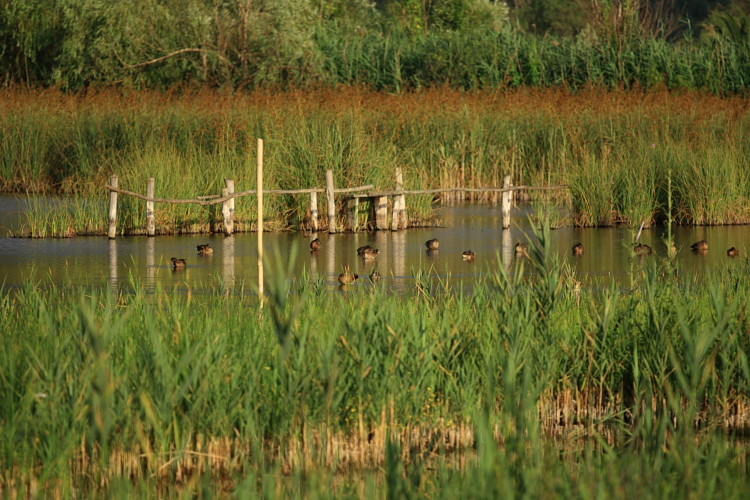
<point x="614" y="149"/>
<point x="534" y="383"/>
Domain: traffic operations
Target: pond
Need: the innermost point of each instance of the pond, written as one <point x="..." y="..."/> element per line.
<point x="97" y="261"/>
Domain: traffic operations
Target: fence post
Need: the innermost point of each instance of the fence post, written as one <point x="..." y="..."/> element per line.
<point x="314" y="211"/>
<point x="112" y="230"/>
<point x="381" y="212"/>
<point x="331" y="202"/>
<point x="150" y="222"/>
<point x="227" y="208"/>
<point x="399" y="218"/>
<point x="506" y="202"/>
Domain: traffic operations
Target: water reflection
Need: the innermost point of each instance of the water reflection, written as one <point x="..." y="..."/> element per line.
<point x="228" y="266"/>
<point x="608" y="254"/>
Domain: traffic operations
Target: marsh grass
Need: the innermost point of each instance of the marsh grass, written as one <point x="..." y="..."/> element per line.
<point x="108" y="391"/>
<point x="611" y="148"/>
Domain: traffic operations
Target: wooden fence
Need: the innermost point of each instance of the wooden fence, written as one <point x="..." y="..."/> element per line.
<point x="379" y="200"/>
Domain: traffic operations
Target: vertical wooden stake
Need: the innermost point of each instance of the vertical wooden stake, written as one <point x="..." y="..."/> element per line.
<point x="112" y="230"/>
<point x="150" y="222"/>
<point x="381" y="212"/>
<point x="226" y="214"/>
<point x="260" y="217"/>
<point x="228" y="208"/>
<point x="399" y="218"/>
<point x="314" y="211"/>
<point x="506" y="202"/>
<point x="331" y="202"/>
<point x="352" y="209"/>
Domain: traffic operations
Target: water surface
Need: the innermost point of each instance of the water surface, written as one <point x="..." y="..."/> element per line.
<point x="99" y="261"/>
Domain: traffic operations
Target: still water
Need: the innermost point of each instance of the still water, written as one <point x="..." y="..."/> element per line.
<point x="97" y="261"/>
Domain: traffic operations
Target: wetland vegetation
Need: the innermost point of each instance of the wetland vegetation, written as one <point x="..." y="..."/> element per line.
<point x="530" y="385"/>
<point x="621" y="153"/>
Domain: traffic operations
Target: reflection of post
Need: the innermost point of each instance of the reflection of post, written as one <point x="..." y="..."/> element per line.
<point x="314" y="260"/>
<point x="227" y="268"/>
<point x="150" y="265"/>
<point x="330" y="247"/>
<point x="508" y="250"/>
<point x="398" y="248"/>
<point x="113" y="279"/>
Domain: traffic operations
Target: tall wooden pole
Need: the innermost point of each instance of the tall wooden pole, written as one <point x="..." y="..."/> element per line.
<point x="260" y="217"/>
<point x="112" y="230"/>
<point x="150" y="221"/>
<point x="228" y="207"/>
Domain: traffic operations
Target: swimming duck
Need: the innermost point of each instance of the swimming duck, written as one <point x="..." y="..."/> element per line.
<point x="315" y="244"/>
<point x="178" y="263"/>
<point x="700" y="246"/>
<point x="347" y="278"/>
<point x="368" y="253"/>
<point x="375" y="276"/>
<point x="360" y="250"/>
<point x="205" y="249"/>
<point x="641" y="249"/>
<point x="432" y="244"/>
<point x="733" y="252"/>
<point x="578" y="249"/>
<point x="468" y="256"/>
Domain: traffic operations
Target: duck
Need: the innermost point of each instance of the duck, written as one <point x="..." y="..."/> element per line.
<point x="315" y="244"/>
<point x="178" y="263"/>
<point x="205" y="249"/>
<point x="368" y="253"/>
<point x="348" y="278"/>
<point x="641" y="249"/>
<point x="522" y="249"/>
<point x="700" y="246"/>
<point x="375" y="276"/>
<point x="432" y="244"/>
<point x="578" y="249"/>
<point x="733" y="252"/>
<point x="361" y="250"/>
<point x="468" y="256"/>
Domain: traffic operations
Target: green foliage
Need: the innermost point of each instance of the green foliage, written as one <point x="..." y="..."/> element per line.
<point x="557" y="389"/>
<point x="404" y="44"/>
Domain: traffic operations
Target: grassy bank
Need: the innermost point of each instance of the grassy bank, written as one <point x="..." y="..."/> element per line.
<point x="616" y="151"/>
<point x="526" y="386"/>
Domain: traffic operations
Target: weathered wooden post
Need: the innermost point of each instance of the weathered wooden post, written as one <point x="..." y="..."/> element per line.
<point x="227" y="208"/>
<point x="506" y="202"/>
<point x="381" y="212"/>
<point x="399" y="204"/>
<point x="260" y="217"/>
<point x="331" y="202"/>
<point x="112" y="230"/>
<point x="314" y="211"/>
<point x="352" y="213"/>
<point x="225" y="213"/>
<point x="150" y="222"/>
